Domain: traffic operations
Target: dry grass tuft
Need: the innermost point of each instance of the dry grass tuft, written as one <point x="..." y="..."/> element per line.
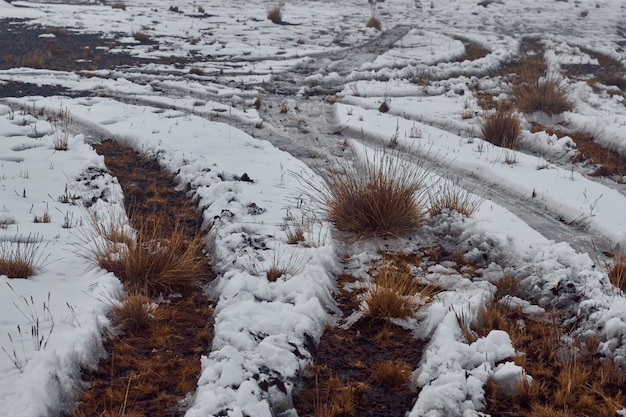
<point x="196" y="71"/>
<point x="392" y="373"/>
<point x="451" y="196"/>
<point x="501" y="127"/>
<point x="119" y="5"/>
<point x="274" y="273"/>
<point x="381" y="197"/>
<point x="295" y="234"/>
<point x="18" y="257"/>
<point x="141" y="37"/>
<point x="135" y="314"/>
<point x="384" y="106"/>
<point x="617" y="273"/>
<point x="507" y="285"/>
<point x="373" y="22"/>
<point x="395" y="294"/>
<point x="145" y="263"/>
<point x="275" y="12"/>
<point x="331" y="396"/>
<point x="282" y="266"/>
<point x="536" y="91"/>
<point x="33" y="59"/>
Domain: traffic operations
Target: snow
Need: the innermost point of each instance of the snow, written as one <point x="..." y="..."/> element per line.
<point x="202" y="130"/>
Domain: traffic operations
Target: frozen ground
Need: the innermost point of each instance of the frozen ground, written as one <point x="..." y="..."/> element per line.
<point x="322" y="73"/>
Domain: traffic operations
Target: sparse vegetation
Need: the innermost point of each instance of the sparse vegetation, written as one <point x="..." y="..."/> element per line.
<point x="44" y="218"/>
<point x="295" y="234"/>
<point x="62" y="123"/>
<point x="451" y="196"/>
<point x="501" y="127"/>
<point x="379" y="197"/>
<point x="153" y="353"/>
<point x="610" y="162"/>
<point x="569" y="377"/>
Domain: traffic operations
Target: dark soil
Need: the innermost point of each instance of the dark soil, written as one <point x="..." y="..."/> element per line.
<point x="21" y="45"/>
<point x="352" y="354"/>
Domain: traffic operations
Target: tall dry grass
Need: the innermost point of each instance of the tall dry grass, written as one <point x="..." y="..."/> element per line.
<point x="331" y="396"/>
<point x="395" y="294"/>
<point x="19" y="257"/>
<point x="535" y="90"/>
<point x="383" y="196"/>
<point x="135" y="314"/>
<point x="146" y="262"/>
<point x="501" y="127"/>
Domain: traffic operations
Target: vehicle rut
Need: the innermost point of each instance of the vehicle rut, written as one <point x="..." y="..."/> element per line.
<point x="307" y="128"/>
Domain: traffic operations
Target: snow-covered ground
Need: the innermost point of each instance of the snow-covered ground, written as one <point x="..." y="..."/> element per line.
<point x="205" y="131"/>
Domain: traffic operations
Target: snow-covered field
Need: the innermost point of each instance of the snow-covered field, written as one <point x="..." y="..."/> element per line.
<point x="206" y="131"/>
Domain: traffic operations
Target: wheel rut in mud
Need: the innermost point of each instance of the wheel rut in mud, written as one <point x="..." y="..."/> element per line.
<point x="150" y="369"/>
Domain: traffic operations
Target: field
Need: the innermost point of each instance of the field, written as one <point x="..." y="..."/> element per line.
<point x="312" y="208"/>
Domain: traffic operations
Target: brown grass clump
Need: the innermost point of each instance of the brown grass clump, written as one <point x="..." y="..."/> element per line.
<point x="535" y="91"/>
<point x="147" y="264"/>
<point x="392" y="373"/>
<point x="18" y="257"/>
<point x="617" y="273"/>
<point x="135" y="314"/>
<point x="141" y="37"/>
<point x="501" y="127"/>
<point x="380" y="197"/>
<point x="196" y="71"/>
<point x="274" y="273"/>
<point x="395" y="294"/>
<point x="373" y="22"/>
<point x="119" y="5"/>
<point x="275" y="12"/>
